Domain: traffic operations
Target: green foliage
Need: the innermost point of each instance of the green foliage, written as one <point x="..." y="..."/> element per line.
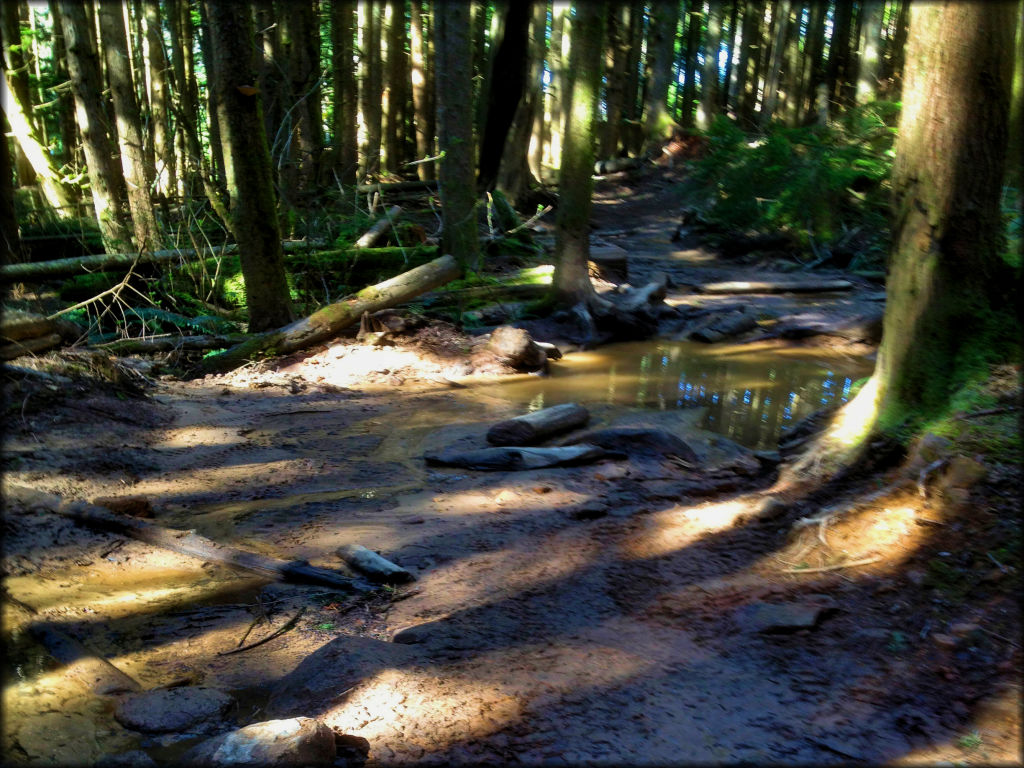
<point x="825" y="185"/>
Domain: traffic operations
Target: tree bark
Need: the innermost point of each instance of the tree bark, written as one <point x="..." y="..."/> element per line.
<point x="631" y="132"/>
<point x="328" y="321"/>
<point x="658" y="122"/>
<point x="571" y="283"/>
<point x="814" y="71"/>
<point x="163" y="138"/>
<point x="538" y="426"/>
<point x="839" y="75"/>
<point x="870" y="50"/>
<point x="459" y="236"/>
<point x="247" y="161"/>
<point x="396" y="89"/>
<point x="709" y="94"/>
<point x="728" y="96"/>
<point x="774" y="74"/>
<point x="371" y="87"/>
<point x="8" y="219"/>
<point x="952" y="299"/>
<point x="87" y="86"/>
<point x="213" y="114"/>
<point x="129" y="122"/>
<point x="693" y="25"/>
<point x="421" y="93"/>
<point x="346" y="92"/>
<point x="615" y="66"/>
<point x="18" y="86"/>
<point x="557" y="97"/>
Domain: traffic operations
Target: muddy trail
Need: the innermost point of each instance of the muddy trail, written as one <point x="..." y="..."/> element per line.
<point x="637" y="610"/>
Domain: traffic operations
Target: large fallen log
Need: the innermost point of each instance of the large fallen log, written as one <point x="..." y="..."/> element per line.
<point x="774" y="286"/>
<point x="29" y="346"/>
<point x="531" y="428"/>
<point x="168" y="343"/>
<point x="185" y="542"/>
<point x="379" y="229"/>
<point x="325" y="323"/>
<point x="113" y="262"/>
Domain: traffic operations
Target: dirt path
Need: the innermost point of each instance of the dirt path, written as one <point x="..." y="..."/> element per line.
<point x="599" y="614"/>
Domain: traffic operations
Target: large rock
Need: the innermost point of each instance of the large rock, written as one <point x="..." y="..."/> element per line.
<point x="298" y="741"/>
<point x="638" y="443"/>
<point x="515" y="347"/>
<point x="173" y="710"/>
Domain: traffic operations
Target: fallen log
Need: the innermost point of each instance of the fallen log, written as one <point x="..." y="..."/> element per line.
<point x="379" y="229"/>
<point x="535" y="427"/>
<point x="373" y="566"/>
<point x="773" y="286"/>
<point x="651" y="293"/>
<point x="110" y="262"/>
<point x="518" y="458"/>
<point x="29" y="346"/>
<point x="616" y="164"/>
<point x="186" y="542"/>
<point x="724" y="327"/>
<point x="325" y="323"/>
<point x="168" y="343"/>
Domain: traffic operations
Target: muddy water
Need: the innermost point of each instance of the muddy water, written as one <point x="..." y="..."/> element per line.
<point x="750" y="393"/>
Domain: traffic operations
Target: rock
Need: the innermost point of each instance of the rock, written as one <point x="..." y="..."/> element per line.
<point x="943" y="641"/>
<point x="298" y="741"/>
<point x="58" y="738"/>
<point x="963" y="472"/>
<point x="725" y="326"/>
<point x="410" y="635"/>
<point x="352" y="750"/>
<point x="927" y="449"/>
<point x="785" y="618"/>
<point x="518" y="458"/>
<point x="515" y="348"/>
<point x="638" y="443"/>
<point x="175" y="709"/>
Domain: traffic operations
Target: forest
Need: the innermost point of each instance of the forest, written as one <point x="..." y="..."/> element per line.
<point x="400" y="381"/>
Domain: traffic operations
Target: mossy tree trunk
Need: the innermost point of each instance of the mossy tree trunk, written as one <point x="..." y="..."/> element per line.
<point x="571" y="283"/>
<point x="951" y="297"/>
<point x="247" y="166"/>
<point x="455" y="133"/>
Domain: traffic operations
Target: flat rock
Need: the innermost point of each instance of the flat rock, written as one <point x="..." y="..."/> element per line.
<point x="174" y="709"/>
<point x="298" y="741"/>
<point x="518" y="458"/>
<point x="784" y="618"/>
<point x="638" y="442"/>
<point x="58" y="738"/>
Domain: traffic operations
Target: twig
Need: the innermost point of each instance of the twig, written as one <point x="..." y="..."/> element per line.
<point x="1000" y="637"/>
<point x="294" y="620"/>
<point x="835" y="567"/>
<point x="531" y="220"/>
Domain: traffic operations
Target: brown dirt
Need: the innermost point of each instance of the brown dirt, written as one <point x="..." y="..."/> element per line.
<point x="533" y="633"/>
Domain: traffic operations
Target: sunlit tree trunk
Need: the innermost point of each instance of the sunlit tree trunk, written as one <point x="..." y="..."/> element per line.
<point x="8" y="220"/>
<point x="839" y="74"/>
<point x="709" y="94"/>
<point x="658" y="122"/>
<point x="397" y="86"/>
<point x="212" y="113"/>
<point x="422" y="93"/>
<point x="729" y="76"/>
<point x="65" y="101"/>
<point x="813" y="68"/>
<point x="1016" y="148"/>
<point x="789" y="98"/>
<point x="370" y="84"/>
<point x="346" y="94"/>
<point x="539" y="134"/>
<point x="631" y="132"/>
<point x="748" y="70"/>
<point x="17" y="79"/>
<point x="454" y="79"/>
<point x="616" y="54"/>
<point x="951" y="306"/>
<point x="571" y="282"/>
<point x="774" y="74"/>
<point x="558" y="62"/>
<point x="183" y="99"/>
<point x="247" y="161"/>
<point x="163" y="143"/>
<point x="129" y="122"/>
<point x="270" y="19"/>
<point x="87" y="87"/>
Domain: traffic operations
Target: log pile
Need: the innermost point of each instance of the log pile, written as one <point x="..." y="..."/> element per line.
<point x="25" y="333"/>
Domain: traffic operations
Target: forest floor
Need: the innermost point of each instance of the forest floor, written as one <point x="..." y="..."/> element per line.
<point x="623" y="612"/>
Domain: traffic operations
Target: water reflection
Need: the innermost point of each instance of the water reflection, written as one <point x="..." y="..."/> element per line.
<point x="750" y="394"/>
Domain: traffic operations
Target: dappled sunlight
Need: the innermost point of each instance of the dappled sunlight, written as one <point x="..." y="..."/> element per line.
<point x="671" y="530"/>
<point x="197" y="435"/>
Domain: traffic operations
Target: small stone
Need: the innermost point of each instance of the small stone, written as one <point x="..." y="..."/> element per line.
<point x="943" y="641"/>
<point x="297" y="741"/>
<point x="173" y="710"/>
<point x="962" y="629"/>
<point x="414" y="520"/>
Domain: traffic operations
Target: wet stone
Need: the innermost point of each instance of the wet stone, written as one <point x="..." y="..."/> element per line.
<point x="298" y="741"/>
<point x="176" y="709"/>
<point x="134" y="758"/>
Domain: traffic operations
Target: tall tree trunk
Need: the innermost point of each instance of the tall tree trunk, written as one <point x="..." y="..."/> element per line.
<point x="346" y="94"/>
<point x="539" y="134"/>
<point x="790" y="83"/>
<point x="183" y="97"/>
<point x="247" y="160"/>
<point x="616" y="56"/>
<point x="774" y="73"/>
<point x="558" y="62"/>
<point x="693" y="25"/>
<point x="951" y="302"/>
<point x="11" y="244"/>
<point x="18" y="84"/>
<point x="65" y="100"/>
<point x="709" y="86"/>
<point x="455" y="133"/>
<point x="212" y="112"/>
<point x="632" y="111"/>
<point x="658" y="122"/>
<point x="897" y="53"/>
<point x="371" y="90"/>
<point x="129" y="124"/>
<point x="509" y="63"/>
<point x="421" y="93"/>
<point x="87" y="87"/>
<point x="271" y="18"/>
<point x="571" y="282"/>
<point x="814" y="71"/>
<point x="514" y="176"/>
<point x="749" y="70"/>
<point x="728" y="81"/>
<point x="839" y="74"/>
<point x="397" y="86"/>
<point x="301" y="132"/>
<point x="163" y="144"/>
